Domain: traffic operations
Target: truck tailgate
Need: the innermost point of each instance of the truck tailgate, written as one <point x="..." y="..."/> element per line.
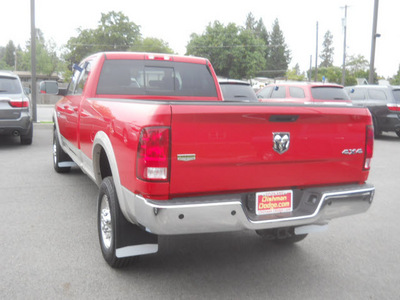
<point x="223" y="147"/>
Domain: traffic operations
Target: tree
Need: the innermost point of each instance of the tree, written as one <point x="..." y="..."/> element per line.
<point x="295" y="74"/>
<point x="334" y="75"/>
<point x="396" y="78"/>
<point x="115" y="32"/>
<point x="259" y="30"/>
<point x="47" y="61"/>
<point x="358" y="66"/>
<point x="327" y="51"/>
<point x="234" y="51"/>
<point x="10" y="52"/>
<point x="153" y="45"/>
<point x="279" y="54"/>
<point x="248" y="58"/>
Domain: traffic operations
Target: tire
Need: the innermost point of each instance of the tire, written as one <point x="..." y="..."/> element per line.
<point x="281" y="235"/>
<point x="398" y="132"/>
<point x="26" y="139"/>
<point x="108" y="213"/>
<point x="59" y="155"/>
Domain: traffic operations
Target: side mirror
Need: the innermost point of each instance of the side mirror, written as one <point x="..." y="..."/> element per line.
<point x="49" y="87"/>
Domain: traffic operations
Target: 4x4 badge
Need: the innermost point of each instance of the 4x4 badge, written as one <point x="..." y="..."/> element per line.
<point x="281" y="141"/>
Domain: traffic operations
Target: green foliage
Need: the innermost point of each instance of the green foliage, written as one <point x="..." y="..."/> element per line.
<point x="295" y="74"/>
<point x="327" y="51"/>
<point x="152" y="45"/>
<point x="279" y="54"/>
<point x="46" y="56"/>
<point x="396" y="78"/>
<point x="47" y="60"/>
<point x="357" y="63"/>
<point x="115" y="32"/>
<point x="9" y="55"/>
<point x="260" y="31"/>
<point x="234" y="51"/>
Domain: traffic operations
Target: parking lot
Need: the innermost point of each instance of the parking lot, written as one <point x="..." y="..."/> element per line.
<point x="49" y="245"/>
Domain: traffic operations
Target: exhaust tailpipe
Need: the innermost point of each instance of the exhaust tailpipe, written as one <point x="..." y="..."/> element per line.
<point x="15" y="133"/>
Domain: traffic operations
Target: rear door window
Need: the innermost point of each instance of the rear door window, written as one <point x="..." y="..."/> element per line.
<point x="279" y="92"/>
<point x="377" y="95"/>
<point x="357" y="94"/>
<point x="265" y="92"/>
<point x="396" y="94"/>
<point x="296" y="92"/>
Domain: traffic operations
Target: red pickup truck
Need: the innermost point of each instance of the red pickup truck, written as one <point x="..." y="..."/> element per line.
<point x="172" y="157"/>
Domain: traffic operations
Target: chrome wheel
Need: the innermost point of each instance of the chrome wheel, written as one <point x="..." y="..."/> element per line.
<point x="105" y="222"/>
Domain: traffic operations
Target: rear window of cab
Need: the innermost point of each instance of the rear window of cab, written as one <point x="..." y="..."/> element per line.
<point x="144" y="77"/>
<point x="329" y="93"/>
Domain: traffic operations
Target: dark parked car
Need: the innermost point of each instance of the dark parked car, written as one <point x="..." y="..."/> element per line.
<point x="237" y="90"/>
<point x="382" y="101"/>
<point x="303" y="92"/>
<point x="15" y="108"/>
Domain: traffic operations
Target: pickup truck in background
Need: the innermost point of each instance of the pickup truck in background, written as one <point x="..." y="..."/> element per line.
<point x="170" y="156"/>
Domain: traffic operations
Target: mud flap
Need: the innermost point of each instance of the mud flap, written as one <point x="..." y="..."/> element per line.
<point x="131" y="240"/>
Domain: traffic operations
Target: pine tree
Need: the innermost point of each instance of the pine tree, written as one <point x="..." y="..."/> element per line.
<point x="10" y="54"/>
<point x="327" y="51"/>
<point x="279" y="54"/>
<point x="260" y="31"/>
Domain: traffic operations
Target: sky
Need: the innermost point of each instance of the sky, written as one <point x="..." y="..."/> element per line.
<point x="175" y="20"/>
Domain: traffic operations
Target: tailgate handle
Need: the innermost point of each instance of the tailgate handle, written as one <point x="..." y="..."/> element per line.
<point x="283" y="118"/>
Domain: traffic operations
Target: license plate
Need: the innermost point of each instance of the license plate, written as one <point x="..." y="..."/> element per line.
<point x="274" y="202"/>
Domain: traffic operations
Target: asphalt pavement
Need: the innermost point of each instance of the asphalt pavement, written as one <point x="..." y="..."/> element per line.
<point x="50" y="250"/>
<point x="44" y="112"/>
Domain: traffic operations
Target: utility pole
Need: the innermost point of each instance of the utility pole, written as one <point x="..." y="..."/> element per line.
<point x="344" y="45"/>
<point x="373" y="44"/>
<point x="33" y="60"/>
<point x="316" y="57"/>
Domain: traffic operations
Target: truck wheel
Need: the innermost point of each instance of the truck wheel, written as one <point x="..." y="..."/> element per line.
<point x="26" y="139"/>
<point x="281" y="235"/>
<point x="59" y="155"/>
<point x="108" y="212"/>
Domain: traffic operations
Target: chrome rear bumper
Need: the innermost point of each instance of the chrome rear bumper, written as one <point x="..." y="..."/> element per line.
<point x="313" y="206"/>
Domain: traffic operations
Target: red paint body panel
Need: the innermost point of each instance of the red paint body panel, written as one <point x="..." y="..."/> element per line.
<point x="234" y="148"/>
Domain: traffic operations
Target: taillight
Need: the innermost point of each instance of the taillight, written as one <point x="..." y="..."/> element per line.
<point x="153" y="155"/>
<point x="394" y="107"/>
<point x="369" y="147"/>
<point x="19" y="103"/>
